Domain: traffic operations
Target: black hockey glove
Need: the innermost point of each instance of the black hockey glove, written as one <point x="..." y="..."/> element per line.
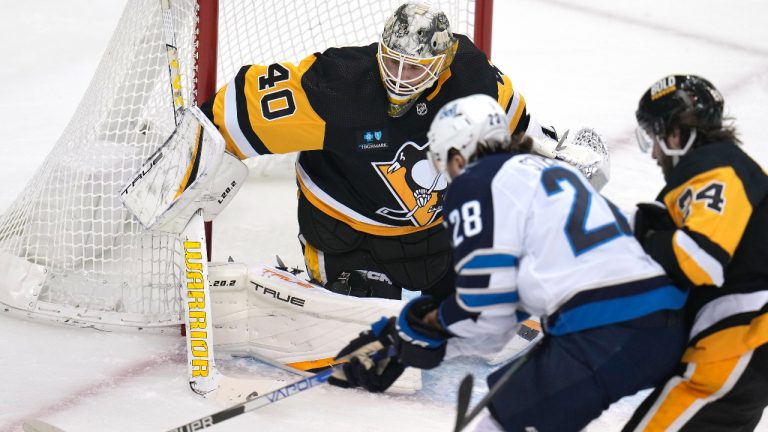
<point x="369" y="361"/>
<point x="418" y="344"/>
<point x="651" y="217"/>
<point x="377" y="357"/>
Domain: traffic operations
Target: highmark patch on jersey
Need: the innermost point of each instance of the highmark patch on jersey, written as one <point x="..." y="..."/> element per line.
<point x="415" y="185"/>
<point x="372" y="139"/>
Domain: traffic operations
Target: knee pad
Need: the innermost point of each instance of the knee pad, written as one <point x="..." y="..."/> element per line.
<point x="365" y="283"/>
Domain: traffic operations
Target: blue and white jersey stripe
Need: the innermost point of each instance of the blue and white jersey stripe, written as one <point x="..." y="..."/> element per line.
<point x="484" y="261"/>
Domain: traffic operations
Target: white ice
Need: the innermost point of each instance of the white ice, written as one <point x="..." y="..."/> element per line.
<point x="578" y="62"/>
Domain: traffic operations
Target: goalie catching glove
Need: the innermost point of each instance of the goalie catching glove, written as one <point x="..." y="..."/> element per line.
<point x="584" y="150"/>
<point x="376" y="358"/>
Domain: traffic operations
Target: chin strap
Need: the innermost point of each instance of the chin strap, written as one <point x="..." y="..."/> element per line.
<point x="676" y="153"/>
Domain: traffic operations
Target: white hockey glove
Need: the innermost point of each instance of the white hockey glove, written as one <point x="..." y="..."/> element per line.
<point x="585" y="150"/>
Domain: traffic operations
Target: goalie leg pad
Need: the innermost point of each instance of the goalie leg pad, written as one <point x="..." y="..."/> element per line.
<point x="272" y="314"/>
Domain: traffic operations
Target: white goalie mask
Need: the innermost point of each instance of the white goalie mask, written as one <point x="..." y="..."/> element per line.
<point x="416" y="46"/>
<point x="462" y="126"/>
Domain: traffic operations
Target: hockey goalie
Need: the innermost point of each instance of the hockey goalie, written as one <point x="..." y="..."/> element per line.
<point x="262" y="311"/>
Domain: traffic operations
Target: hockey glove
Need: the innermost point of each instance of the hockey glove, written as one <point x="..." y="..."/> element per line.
<point x="376" y="358"/>
<point x="368" y="361"/>
<point x="651" y="217"/>
<point x="418" y="344"/>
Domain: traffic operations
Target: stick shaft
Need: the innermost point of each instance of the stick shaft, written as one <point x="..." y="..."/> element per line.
<point x="284" y="392"/>
<point x="463" y="420"/>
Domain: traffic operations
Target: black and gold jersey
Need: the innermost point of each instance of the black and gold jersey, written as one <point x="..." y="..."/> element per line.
<point x="717" y="197"/>
<point x="356" y="164"/>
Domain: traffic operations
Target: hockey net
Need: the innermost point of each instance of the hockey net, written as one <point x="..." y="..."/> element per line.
<point x="69" y="251"/>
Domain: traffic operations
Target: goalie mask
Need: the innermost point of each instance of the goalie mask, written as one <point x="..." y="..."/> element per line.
<point x="463" y="125"/>
<point x="670" y="98"/>
<point x="416" y="46"/>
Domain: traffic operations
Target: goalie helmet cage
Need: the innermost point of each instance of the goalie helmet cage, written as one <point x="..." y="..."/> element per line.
<point x="69" y="251"/>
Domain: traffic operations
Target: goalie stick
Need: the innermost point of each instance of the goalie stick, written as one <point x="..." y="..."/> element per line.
<point x="170" y="193"/>
<point x="172" y="54"/>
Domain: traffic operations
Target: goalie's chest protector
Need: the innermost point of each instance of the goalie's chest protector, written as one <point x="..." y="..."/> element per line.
<point x="371" y="171"/>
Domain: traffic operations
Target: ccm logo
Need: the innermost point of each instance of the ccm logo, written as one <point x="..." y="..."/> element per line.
<point x="296" y="301"/>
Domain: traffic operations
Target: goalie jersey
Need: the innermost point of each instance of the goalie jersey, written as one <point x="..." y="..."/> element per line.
<point x="532" y="237"/>
<point x="356" y="164"/>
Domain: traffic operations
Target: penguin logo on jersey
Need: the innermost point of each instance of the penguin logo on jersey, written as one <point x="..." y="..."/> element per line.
<point x="413" y="182"/>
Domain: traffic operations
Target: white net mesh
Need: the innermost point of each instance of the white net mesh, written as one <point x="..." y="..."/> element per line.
<point x="73" y="252"/>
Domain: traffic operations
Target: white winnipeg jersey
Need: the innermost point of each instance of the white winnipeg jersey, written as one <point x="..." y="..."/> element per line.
<point x="532" y="237"/>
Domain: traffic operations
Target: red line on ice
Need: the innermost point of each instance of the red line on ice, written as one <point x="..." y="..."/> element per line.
<point x="77" y="397"/>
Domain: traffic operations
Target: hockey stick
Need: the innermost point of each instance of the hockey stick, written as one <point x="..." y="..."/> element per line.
<point x="172" y="54"/>
<point x="203" y="376"/>
<point x="465" y="390"/>
<point x="284" y="392"/>
<point x="279" y="394"/>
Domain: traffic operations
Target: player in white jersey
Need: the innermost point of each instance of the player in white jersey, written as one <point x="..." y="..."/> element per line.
<point x="531" y="236"/>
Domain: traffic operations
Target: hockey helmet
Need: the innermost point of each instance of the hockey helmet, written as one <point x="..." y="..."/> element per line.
<point x="669" y="98"/>
<point x="464" y="124"/>
<point x="416" y="46"/>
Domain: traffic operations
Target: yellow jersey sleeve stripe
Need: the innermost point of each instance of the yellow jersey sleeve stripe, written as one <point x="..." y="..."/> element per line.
<point x="699" y="266"/>
<point x="280" y="114"/>
<point x="514" y="116"/>
<point x="219" y="119"/>
<point x="512" y="101"/>
<point x="721" y="218"/>
<point x="232" y="123"/>
<point x="505" y="93"/>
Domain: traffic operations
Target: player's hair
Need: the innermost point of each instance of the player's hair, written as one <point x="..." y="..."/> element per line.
<point x="520" y="143"/>
<point x="705" y="134"/>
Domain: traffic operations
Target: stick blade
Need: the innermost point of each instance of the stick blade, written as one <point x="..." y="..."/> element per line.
<point x="463" y="400"/>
